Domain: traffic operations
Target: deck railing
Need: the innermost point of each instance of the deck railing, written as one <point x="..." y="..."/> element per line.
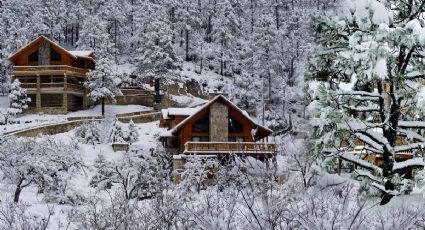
<point x="229" y="147"/>
<point x="71" y="87"/>
<point x="48" y="68"/>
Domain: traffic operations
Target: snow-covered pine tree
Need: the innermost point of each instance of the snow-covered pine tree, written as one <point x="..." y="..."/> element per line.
<point x="157" y="58"/>
<point x="116" y="133"/>
<point x="133" y="134"/>
<point x="104" y="80"/>
<point x="18" y="99"/>
<point x="369" y="61"/>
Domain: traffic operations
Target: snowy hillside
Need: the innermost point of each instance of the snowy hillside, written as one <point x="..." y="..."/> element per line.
<point x="319" y="125"/>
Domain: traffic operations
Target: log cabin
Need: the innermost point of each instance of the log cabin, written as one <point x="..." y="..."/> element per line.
<point x="53" y="76"/>
<point x="218" y="128"/>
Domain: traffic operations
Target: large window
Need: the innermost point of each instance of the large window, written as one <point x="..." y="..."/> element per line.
<point x="202" y="125"/>
<point x="55" y="56"/>
<point x="33" y="57"/>
<point x="200" y="139"/>
<point x="234" y="125"/>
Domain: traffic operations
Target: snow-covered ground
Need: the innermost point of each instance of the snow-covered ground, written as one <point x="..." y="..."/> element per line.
<point x="209" y="80"/>
<point x="148" y="139"/>
<point x="188" y="100"/>
<point x="32" y="120"/>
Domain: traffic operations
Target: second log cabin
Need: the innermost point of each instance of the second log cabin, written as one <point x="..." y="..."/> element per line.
<point x="53" y="76"/>
<point x="217" y="128"/>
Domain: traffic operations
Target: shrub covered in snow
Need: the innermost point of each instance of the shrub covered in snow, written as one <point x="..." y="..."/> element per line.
<point x="89" y="133"/>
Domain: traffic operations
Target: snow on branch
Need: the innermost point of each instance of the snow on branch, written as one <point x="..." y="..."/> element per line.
<point x="411" y="134"/>
<point x="368" y="175"/>
<point x="369" y="141"/>
<point x="360" y="162"/>
<point x="382" y="188"/>
<point x="361" y="108"/>
<point x="405" y="148"/>
<point x="357" y="93"/>
<point x="415" y="162"/>
<point x="415" y="75"/>
<point x="412" y="124"/>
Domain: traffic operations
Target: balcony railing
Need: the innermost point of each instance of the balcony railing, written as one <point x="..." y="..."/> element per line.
<point x="54" y="86"/>
<point x="229" y="147"/>
<point x="53" y="69"/>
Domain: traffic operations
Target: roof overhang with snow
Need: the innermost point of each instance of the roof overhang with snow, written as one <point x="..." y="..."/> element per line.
<point x="192" y="112"/>
<point x="73" y="54"/>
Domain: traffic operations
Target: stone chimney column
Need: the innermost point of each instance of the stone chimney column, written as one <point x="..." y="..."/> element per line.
<point x="219" y="124"/>
<point x="44" y="53"/>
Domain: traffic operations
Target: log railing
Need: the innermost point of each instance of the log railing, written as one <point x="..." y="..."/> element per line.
<point x="71" y="87"/>
<point x="229" y="147"/>
<point x="48" y="68"/>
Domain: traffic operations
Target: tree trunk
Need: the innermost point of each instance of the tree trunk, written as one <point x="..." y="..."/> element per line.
<point x="72" y="35"/>
<point x="17" y="192"/>
<point x="103" y="106"/>
<point x="187" y="45"/>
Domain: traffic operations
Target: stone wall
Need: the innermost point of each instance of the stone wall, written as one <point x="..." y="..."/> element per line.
<point x="144" y="118"/>
<point x="44" y="53"/>
<point x="47" y="129"/>
<point x="135" y="100"/>
<point x="219" y="124"/>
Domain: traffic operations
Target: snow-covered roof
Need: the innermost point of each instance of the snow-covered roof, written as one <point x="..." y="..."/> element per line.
<point x="81" y="53"/>
<point x="73" y="54"/>
<point x="166" y="113"/>
<point x="244" y="113"/>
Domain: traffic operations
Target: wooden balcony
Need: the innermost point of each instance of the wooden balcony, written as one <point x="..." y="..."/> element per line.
<point x="248" y="148"/>
<point x="48" y="70"/>
<point x="45" y="87"/>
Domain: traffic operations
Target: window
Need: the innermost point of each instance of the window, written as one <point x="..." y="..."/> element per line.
<point x="234" y="125"/>
<point x="171" y="143"/>
<point x="33" y="57"/>
<point x="235" y="139"/>
<point x="202" y="125"/>
<point x="200" y="139"/>
<point x="55" y="56"/>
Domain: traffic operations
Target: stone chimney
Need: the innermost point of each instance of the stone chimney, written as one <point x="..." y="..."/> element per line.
<point x="219" y="124"/>
<point x="44" y="53"/>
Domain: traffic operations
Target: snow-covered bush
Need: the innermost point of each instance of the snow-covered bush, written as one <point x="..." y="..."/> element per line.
<point x="116" y="132"/>
<point x="89" y="133"/>
<point x="16" y="216"/>
<point x="44" y="162"/>
<point x="197" y="170"/>
<point x="132" y="135"/>
<point x="136" y="176"/>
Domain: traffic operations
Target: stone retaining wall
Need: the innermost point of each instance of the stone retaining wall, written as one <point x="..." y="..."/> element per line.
<point x="52" y="129"/>
<point x="144" y="118"/>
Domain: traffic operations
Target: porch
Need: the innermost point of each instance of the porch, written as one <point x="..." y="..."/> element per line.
<point x="244" y="148"/>
<point x="48" y="70"/>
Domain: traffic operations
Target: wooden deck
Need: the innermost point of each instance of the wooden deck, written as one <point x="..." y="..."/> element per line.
<point x="48" y="70"/>
<point x="45" y="87"/>
<point x="248" y="148"/>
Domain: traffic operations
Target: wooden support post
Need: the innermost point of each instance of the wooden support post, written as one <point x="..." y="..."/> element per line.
<point x="65" y="94"/>
<point x="38" y="95"/>
<point x="85" y="99"/>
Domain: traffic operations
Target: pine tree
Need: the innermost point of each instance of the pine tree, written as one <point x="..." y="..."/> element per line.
<point x="18" y="99"/>
<point x="133" y="134"/>
<point x="372" y="46"/>
<point x="103" y="82"/>
<point x="116" y="133"/>
<point x="157" y="58"/>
